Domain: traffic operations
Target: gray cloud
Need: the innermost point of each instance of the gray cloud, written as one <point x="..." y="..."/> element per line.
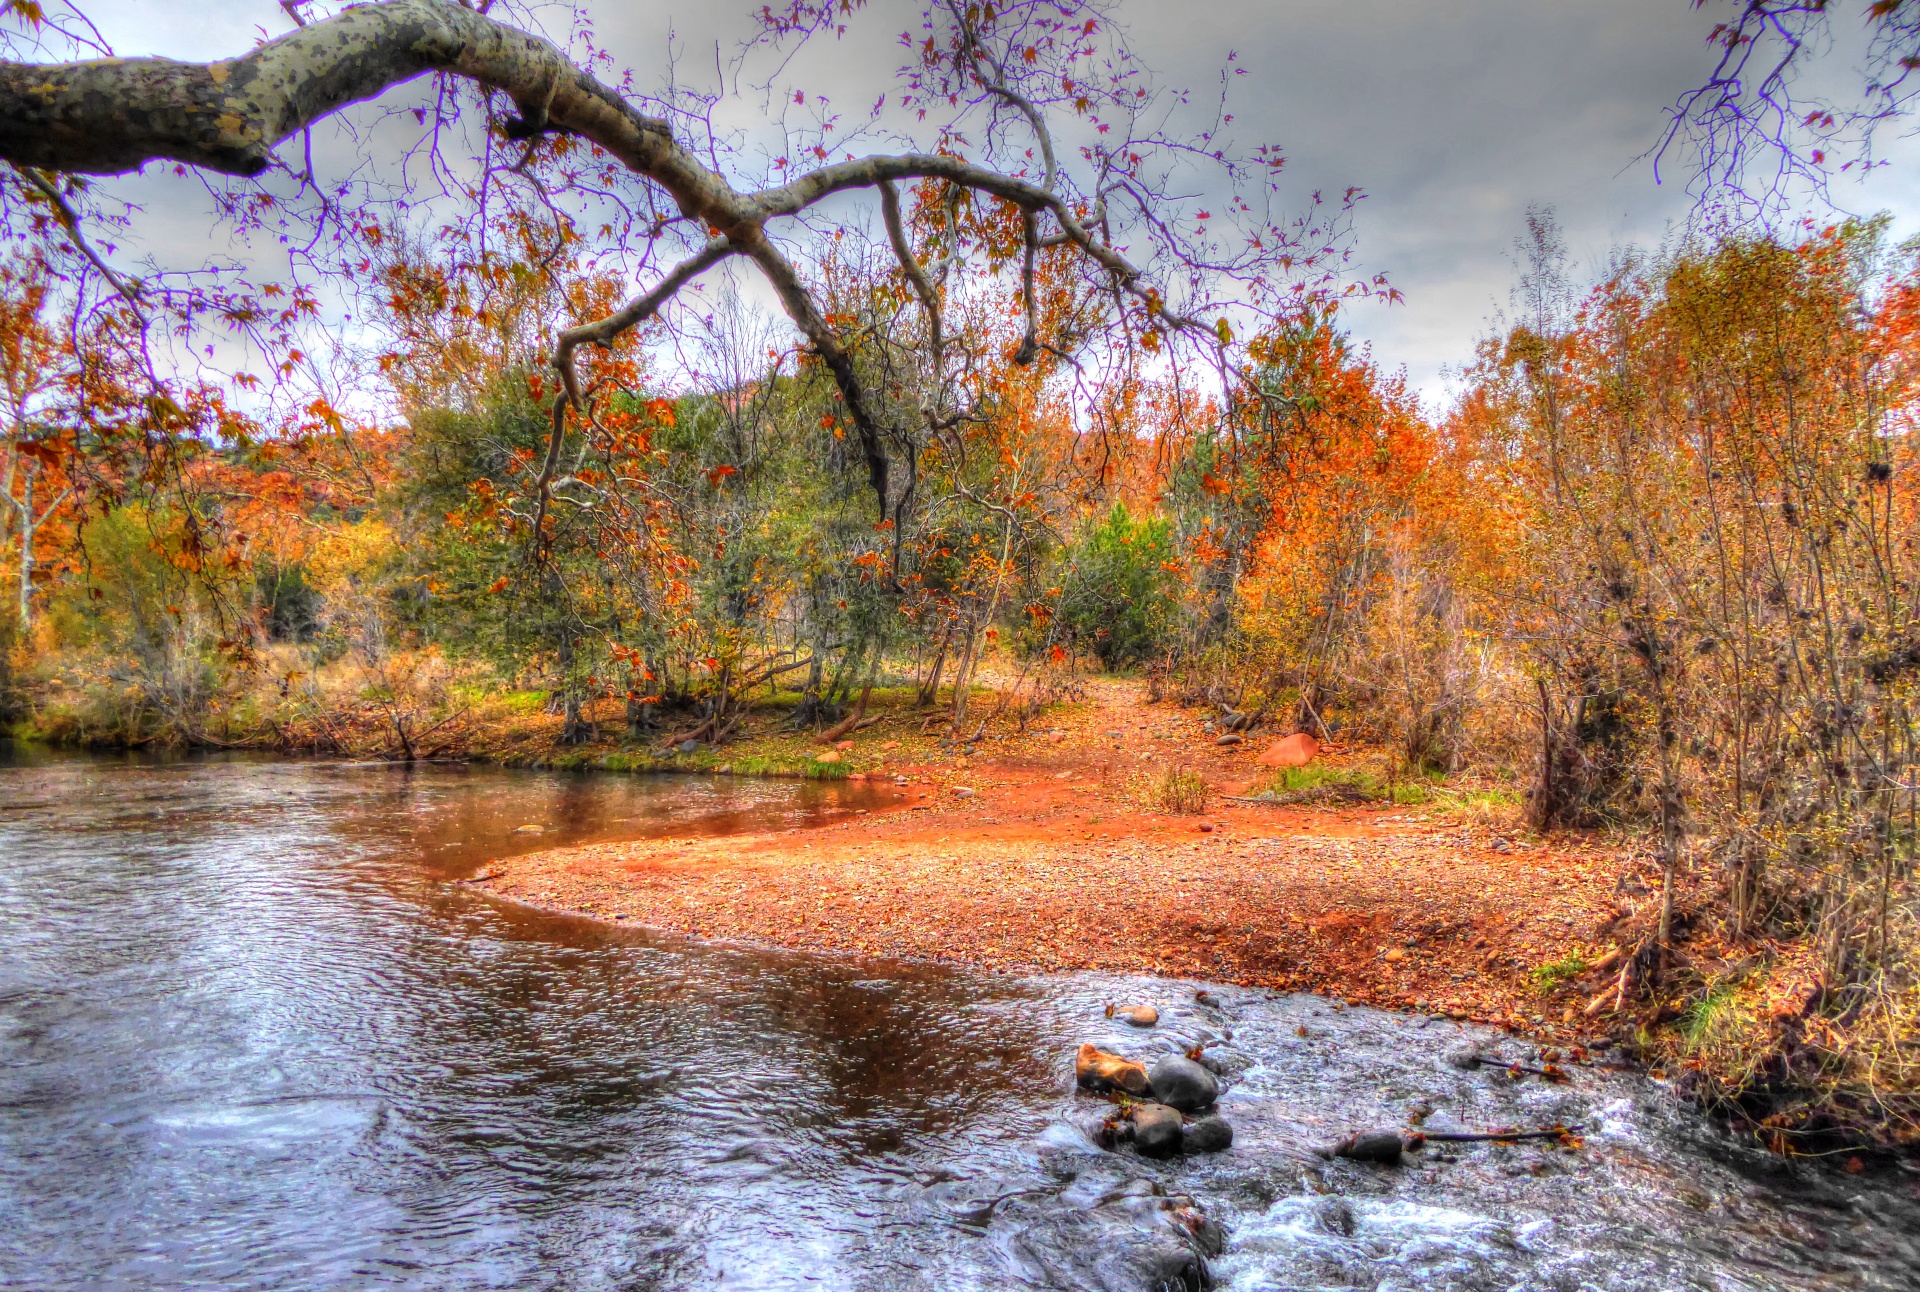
<point x="1453" y="116"/>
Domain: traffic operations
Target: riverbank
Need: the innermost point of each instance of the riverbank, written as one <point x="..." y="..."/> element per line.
<point x="1051" y="849"/>
<point x="1047" y="850"/>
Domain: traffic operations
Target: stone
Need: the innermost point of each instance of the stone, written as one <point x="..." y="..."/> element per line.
<point x="689" y="746"/>
<point x="1100" y="1072"/>
<point x="1395" y="956"/>
<point x="1381" y="1146"/>
<point x="1207" y="1135"/>
<point x="1157" y="1130"/>
<point x="1231" y="738"/>
<point x="831" y="756"/>
<point x="962" y="792"/>
<point x="1181" y="1083"/>
<point x="1296" y="750"/>
<point x="529" y="829"/>
<point x="1465" y="1057"/>
<point x="1224" y="1061"/>
<point x="1139" y="1015"/>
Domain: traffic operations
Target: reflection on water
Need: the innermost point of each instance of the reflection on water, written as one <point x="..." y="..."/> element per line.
<point x="252" y="1036"/>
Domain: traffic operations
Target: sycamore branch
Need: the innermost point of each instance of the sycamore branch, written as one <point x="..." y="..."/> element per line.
<point x="107" y="116"/>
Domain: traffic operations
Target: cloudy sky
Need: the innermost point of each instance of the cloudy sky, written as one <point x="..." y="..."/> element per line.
<point x="1453" y="115"/>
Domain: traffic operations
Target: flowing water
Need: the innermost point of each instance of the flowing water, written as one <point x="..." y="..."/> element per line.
<point x="254" y="1034"/>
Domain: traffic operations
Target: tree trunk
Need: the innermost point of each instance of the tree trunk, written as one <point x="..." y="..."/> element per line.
<point x="27" y="528"/>
<point x="930" y="689"/>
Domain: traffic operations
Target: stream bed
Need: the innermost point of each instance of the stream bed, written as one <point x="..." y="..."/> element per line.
<point x="255" y="1034"/>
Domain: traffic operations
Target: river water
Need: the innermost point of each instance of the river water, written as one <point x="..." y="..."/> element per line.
<point x="254" y="1034"/>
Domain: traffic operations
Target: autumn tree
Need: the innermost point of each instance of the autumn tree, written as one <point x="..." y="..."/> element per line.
<point x="1038" y="107"/>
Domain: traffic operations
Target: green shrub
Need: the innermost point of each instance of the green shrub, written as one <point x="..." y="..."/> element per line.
<point x="1119" y="597"/>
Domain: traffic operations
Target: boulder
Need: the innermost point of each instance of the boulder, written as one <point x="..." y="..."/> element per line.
<point x="1296" y="750"/>
<point x="1100" y="1072"/>
<point x="1207" y="1135"/>
<point x="1157" y="1130"/>
<point x="1181" y="1083"/>
<point x="1231" y="738"/>
<point x="1139" y="1015"/>
<point x="689" y="746"/>
<point x="831" y="756"/>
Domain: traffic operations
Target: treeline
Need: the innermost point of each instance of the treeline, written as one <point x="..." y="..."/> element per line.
<point x="1655" y="568"/>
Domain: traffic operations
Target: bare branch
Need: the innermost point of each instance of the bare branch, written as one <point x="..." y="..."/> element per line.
<point x="922" y="286"/>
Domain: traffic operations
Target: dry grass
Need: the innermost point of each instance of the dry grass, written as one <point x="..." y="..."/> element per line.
<point x="1181" y="791"/>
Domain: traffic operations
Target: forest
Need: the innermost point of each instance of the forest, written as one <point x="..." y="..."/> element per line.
<point x="1649" y="577"/>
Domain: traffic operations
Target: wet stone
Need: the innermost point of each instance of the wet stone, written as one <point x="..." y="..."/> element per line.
<point x="1132" y="1241"/>
<point x="1139" y="1015"/>
<point x="1380" y="1146"/>
<point x="1157" y="1131"/>
<point x="1181" y="1083"/>
<point x="1207" y="1135"/>
<point x="1101" y="1072"/>
<point x="1225" y="1062"/>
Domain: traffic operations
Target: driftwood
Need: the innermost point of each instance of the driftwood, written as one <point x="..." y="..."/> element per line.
<point x="1494" y="1137"/>
<point x="851" y="722"/>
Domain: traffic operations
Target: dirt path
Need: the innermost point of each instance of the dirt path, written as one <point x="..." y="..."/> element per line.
<point x="1039" y="855"/>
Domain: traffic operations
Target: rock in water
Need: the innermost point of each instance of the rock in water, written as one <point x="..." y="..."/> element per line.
<point x="1466" y="1057"/>
<point x="1383" y="1147"/>
<point x="1181" y="1083"/>
<point x="1141" y="1015"/>
<point x="1099" y="1071"/>
<point x="1156" y="1130"/>
<point x="1224" y="1061"/>
<point x="1208" y="1135"/>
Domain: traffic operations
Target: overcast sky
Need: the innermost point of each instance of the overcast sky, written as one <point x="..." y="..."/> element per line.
<point x="1453" y="115"/>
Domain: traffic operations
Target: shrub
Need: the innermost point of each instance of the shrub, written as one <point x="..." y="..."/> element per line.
<point x="1119" y="595"/>
<point x="1181" y="791"/>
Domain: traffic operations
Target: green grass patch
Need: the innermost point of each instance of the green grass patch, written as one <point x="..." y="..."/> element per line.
<point x="1713" y="1012"/>
<point x="1556" y="972"/>
<point x="1354" y="784"/>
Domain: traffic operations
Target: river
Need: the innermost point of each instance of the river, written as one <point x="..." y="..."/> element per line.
<point x="255" y="1034"/>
